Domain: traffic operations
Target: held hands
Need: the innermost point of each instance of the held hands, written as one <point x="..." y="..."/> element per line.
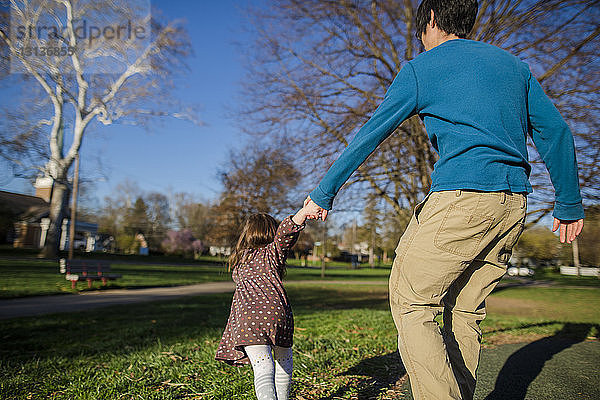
<point x="568" y="229"/>
<point x="316" y="211"/>
<point x="310" y="210"/>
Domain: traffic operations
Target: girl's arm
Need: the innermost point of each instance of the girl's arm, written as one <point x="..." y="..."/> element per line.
<point x="289" y="230"/>
<point x="285" y="237"/>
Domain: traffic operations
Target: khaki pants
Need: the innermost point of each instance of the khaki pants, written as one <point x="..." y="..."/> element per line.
<point x="452" y="255"/>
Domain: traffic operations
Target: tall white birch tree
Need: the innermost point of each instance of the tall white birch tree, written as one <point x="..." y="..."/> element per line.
<point x="94" y="63"/>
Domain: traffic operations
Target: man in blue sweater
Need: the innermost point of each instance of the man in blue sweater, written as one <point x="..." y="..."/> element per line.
<point x="478" y="104"/>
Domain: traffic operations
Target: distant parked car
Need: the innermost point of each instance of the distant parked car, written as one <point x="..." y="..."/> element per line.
<point x="80" y="244"/>
<point x="520" y="271"/>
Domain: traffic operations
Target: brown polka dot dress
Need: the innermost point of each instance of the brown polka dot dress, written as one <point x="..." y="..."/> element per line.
<point x="260" y="311"/>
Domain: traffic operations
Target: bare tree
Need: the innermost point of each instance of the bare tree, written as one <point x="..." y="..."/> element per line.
<point x="129" y="210"/>
<point x="256" y="179"/>
<point x="93" y="62"/>
<point x="158" y="218"/>
<point x="320" y="68"/>
<point x="189" y="213"/>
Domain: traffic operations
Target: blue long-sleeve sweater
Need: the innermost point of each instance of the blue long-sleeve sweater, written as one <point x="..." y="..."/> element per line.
<point x="478" y="103"/>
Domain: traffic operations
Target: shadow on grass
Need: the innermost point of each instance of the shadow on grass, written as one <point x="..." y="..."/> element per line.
<point x="378" y="373"/>
<point x="125" y="329"/>
<point x="523" y="366"/>
<point x="375" y="374"/>
<point x="515" y="282"/>
<point x="523" y="326"/>
<point x="329" y="298"/>
<point x="113" y="330"/>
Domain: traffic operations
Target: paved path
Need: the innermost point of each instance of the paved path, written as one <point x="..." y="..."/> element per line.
<point x="39" y="305"/>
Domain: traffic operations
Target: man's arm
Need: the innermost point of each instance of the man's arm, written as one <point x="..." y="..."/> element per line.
<point x="554" y="141"/>
<point x="400" y="102"/>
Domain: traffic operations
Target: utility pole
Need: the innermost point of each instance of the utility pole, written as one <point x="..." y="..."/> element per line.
<point x="324" y="250"/>
<point x="74" y="208"/>
<point x="372" y="247"/>
<point x="576" y="255"/>
<point x="353" y="263"/>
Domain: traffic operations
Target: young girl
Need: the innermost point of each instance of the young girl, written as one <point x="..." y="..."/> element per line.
<point x="261" y="326"/>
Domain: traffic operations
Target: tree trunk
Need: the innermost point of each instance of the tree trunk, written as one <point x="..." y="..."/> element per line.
<point x="575" y="246"/>
<point x="58" y="206"/>
<point x="372" y="249"/>
<point x="324" y="253"/>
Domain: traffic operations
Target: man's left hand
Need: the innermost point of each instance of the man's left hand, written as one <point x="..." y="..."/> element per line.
<point x="569" y="230"/>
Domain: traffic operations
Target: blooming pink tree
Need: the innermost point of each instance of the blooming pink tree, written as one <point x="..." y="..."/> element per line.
<point x="182" y="243"/>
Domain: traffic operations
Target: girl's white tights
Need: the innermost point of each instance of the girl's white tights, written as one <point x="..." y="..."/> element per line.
<point x="272" y="379"/>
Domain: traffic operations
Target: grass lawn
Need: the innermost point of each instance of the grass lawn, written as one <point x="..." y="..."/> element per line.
<point x="8" y="251"/>
<point x="344" y="345"/>
<point x="28" y="277"/>
<point x="296" y="262"/>
<point x="551" y="274"/>
<point x="37" y="277"/>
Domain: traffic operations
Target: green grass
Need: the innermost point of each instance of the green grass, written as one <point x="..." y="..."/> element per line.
<point x="21" y="274"/>
<point x="33" y="277"/>
<point x="344" y="344"/>
<point x="30" y="277"/>
<point x="8" y="251"/>
<point x="296" y="262"/>
<point x="541" y="311"/>
<point x="550" y="274"/>
<point x="379" y="274"/>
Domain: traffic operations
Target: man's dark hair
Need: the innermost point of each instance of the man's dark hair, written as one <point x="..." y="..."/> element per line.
<point x="451" y="16"/>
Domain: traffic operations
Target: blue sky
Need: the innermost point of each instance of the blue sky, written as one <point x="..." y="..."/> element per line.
<point x="176" y="156"/>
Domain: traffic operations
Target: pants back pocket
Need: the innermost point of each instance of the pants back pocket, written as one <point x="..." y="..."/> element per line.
<point x="461" y="231"/>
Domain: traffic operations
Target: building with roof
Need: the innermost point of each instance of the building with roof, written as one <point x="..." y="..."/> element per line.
<point x="23" y="217"/>
<point x="24" y="220"/>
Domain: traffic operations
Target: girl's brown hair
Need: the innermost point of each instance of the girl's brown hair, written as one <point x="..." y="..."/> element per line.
<point x="257" y="231"/>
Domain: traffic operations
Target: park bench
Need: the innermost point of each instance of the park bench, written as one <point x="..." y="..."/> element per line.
<point x="88" y="270"/>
